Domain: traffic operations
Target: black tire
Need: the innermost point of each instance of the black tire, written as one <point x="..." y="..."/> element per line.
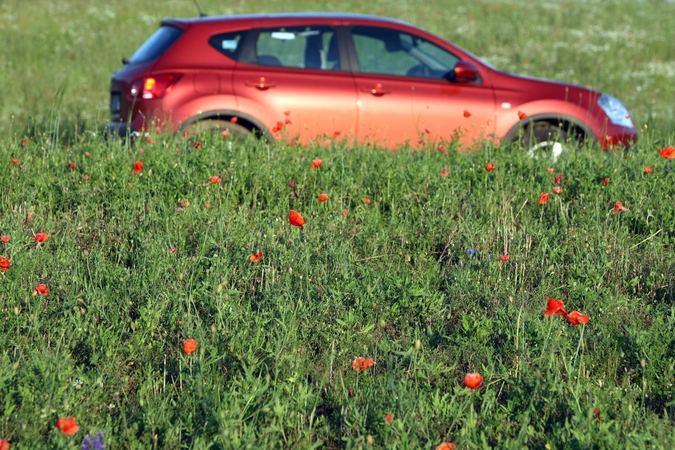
<point x="545" y="140"/>
<point x="216" y="128"/>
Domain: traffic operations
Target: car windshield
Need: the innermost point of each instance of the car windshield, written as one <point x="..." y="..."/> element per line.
<point x="156" y="45"/>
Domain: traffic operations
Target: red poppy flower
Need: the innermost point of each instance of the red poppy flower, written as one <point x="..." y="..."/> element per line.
<point x="504" y="258"/>
<point x="68" y="426"/>
<point x="648" y="170"/>
<point x="558" y="178"/>
<point x="288" y="121"/>
<point x="189" y="346"/>
<point x="138" y="166"/>
<point x="446" y="446"/>
<point x="555" y="307"/>
<point x="521" y="115"/>
<point x="366" y="200"/>
<point x="4" y="444"/>
<point x="86" y="154"/>
<point x="618" y="206"/>
<point x="557" y="190"/>
<point x="322" y="198"/>
<point x="215" y="179"/>
<point x="4" y="238"/>
<point x="85" y="176"/>
<point x="444" y="172"/>
<point x="668" y="152"/>
<point x="605" y="182"/>
<point x="172" y="250"/>
<point x="543" y="198"/>
<point x="489" y="167"/>
<point x="551" y="170"/>
<point x="473" y="380"/>
<point x="41" y="289"/>
<point x="441" y="148"/>
<point x="41" y="237"/>
<point x="197" y="145"/>
<point x="225" y="133"/>
<point x="15" y="161"/>
<point x="150" y="140"/>
<point x="597" y="414"/>
<point x="388" y="418"/>
<point x="4" y="264"/>
<point x="207" y="205"/>
<point x="427" y="130"/>
<point x="25" y="142"/>
<point x="296" y="219"/>
<point x="234" y="119"/>
<point x="287" y="113"/>
<point x="316" y="164"/>
<point x="27" y="217"/>
<point x="345" y="212"/>
<point x="361" y="363"/>
<point x="255" y="258"/>
<point x="72" y="165"/>
<point x="467" y="113"/>
<point x="576" y="318"/>
<point x="275" y="130"/>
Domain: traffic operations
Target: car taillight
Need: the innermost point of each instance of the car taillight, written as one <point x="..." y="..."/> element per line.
<point x="154" y="87"/>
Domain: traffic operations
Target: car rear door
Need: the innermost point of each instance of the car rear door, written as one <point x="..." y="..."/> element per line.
<point x="291" y="77"/>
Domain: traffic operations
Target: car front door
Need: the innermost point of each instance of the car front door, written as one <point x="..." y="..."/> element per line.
<point x="292" y="79"/>
<point x="407" y="92"/>
<point x="385" y="95"/>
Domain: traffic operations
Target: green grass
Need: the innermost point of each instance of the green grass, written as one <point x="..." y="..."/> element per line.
<point x="276" y="339"/>
<point x="392" y="280"/>
<point x="623" y="48"/>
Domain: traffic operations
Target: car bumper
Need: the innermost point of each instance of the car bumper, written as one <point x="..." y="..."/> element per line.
<point x="616" y="136"/>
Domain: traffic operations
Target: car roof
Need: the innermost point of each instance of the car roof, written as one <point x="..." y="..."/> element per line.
<point x="186" y="22"/>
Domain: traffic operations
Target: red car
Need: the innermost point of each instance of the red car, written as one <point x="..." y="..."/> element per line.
<point x="362" y="78"/>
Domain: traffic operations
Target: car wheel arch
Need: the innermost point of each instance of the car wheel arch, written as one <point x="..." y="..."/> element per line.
<point x="247" y="121"/>
<point x="555" y="119"/>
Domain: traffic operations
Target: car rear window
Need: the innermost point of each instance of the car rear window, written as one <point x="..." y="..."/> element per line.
<point x="156" y="45"/>
<point x="229" y="44"/>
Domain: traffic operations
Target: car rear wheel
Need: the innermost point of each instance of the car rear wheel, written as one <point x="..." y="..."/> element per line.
<point x="545" y="140"/>
<point x="215" y="128"/>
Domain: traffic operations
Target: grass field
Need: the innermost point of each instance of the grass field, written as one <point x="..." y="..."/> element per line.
<point x="136" y="264"/>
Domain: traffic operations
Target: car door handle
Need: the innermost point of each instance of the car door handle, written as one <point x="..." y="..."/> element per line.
<point x="377" y="90"/>
<point x="261" y="83"/>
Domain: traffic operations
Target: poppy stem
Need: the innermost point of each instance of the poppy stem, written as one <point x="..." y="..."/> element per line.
<point x="543" y="347"/>
<point x="581" y="338"/>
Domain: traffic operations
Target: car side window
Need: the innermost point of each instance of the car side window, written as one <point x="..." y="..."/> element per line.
<point x="306" y="47"/>
<point x="391" y="52"/>
<point x="229" y="44"/>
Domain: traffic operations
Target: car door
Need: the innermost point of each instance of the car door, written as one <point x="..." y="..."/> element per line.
<point x="448" y="110"/>
<point x="385" y="96"/>
<point x="291" y="78"/>
<point x="406" y="91"/>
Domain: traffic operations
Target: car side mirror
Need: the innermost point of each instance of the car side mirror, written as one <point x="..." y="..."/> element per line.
<point x="465" y="72"/>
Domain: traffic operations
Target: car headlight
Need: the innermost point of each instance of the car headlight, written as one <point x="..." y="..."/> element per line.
<point x="616" y="111"/>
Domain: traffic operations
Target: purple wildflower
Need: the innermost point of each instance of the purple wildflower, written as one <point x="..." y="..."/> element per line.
<point x="95" y="443"/>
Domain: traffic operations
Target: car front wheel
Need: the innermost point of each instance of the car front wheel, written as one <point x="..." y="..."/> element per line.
<point x="545" y="140"/>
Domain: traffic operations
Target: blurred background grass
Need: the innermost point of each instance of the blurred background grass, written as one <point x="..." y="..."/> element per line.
<point x="623" y="48"/>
